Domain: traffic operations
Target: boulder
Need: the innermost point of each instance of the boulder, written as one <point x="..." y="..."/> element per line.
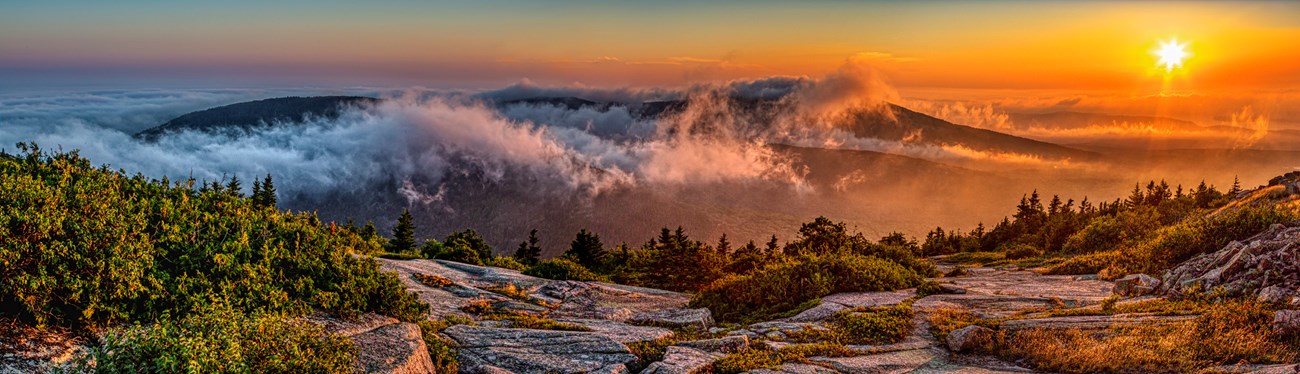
<point x="699" y="318"/>
<point x="892" y="362"/>
<point x="620" y="332"/>
<point x="1287" y="323"/>
<point x="682" y="360"/>
<point x="970" y="339"/>
<point x="1136" y="285"/>
<point x="1278" y="294"/>
<point x="495" y="350"/>
<point x="730" y="344"/>
<point x="848" y="300"/>
<point x="384" y="344"/>
<point x="1265" y="267"/>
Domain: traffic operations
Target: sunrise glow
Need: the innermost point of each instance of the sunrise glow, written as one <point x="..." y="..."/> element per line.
<point x="1171" y="54"/>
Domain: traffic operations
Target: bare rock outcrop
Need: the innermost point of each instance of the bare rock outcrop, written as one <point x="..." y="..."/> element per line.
<point x="498" y="350"/>
<point x="1266" y="266"/>
<point x="1287" y="323"/>
<point x="384" y="344"/>
<point x="1134" y="285"/>
<point x="970" y="338"/>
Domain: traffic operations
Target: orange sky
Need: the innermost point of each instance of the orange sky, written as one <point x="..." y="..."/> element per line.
<point x="971" y="45"/>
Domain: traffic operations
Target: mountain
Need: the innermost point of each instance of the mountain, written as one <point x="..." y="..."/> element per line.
<point x="252" y="114"/>
<point x="902" y="125"/>
<point x="1071" y="120"/>
<point x="874" y="191"/>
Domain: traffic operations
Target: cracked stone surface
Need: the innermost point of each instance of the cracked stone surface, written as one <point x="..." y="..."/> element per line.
<point x="487" y="350"/>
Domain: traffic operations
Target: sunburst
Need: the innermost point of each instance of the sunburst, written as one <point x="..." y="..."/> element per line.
<point x="1172" y="54"/>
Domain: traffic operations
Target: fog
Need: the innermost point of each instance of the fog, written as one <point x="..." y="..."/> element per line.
<point x="722" y="164"/>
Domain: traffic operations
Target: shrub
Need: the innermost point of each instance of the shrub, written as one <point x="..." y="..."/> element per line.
<point x="786" y="285"/>
<point x="1020" y="251"/>
<point x="1091" y="263"/>
<point x="1226" y="333"/>
<point x="873" y="326"/>
<point x="561" y="269"/>
<point x="91" y="246"/>
<point x="217" y="338"/>
<point x="442" y="351"/>
<point x="507" y="262"/>
<point x="928" y="288"/>
<point x="759" y="357"/>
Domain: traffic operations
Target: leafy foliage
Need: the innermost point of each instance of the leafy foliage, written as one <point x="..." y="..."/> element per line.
<point x="561" y="269"/>
<point x="218" y="339"/>
<point x="786" y="285"/>
<point x="87" y="245"/>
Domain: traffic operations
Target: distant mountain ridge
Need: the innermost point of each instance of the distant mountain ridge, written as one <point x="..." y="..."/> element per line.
<point x="252" y="114"/>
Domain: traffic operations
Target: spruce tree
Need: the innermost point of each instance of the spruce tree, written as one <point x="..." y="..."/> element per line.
<point x="529" y="252"/>
<point x="587" y="248"/>
<point x="268" y="193"/>
<point x="724" y="246"/>
<point x="403" y="234"/>
<point x="369" y="231"/>
<point x="257" y="193"/>
<point x="233" y="186"/>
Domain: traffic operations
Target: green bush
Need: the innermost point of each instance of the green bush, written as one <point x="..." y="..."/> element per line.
<point x="507" y="262"/>
<point x="561" y="269"/>
<point x="1020" y="251"/>
<point x="218" y="339"/>
<point x="783" y="286"/>
<point x="1112" y="231"/>
<point x="874" y="326"/>
<point x="91" y="246"/>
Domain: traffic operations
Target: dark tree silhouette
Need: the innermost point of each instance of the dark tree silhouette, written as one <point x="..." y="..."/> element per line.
<point x="529" y="252"/>
<point x="587" y="249"/>
<point x="403" y="234"/>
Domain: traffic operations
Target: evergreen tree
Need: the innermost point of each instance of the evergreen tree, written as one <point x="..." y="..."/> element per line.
<point x="724" y="246"/>
<point x="369" y="232"/>
<point x="1236" y="187"/>
<point x="772" y="246"/>
<point x="257" y="192"/>
<point x="587" y="249"/>
<point x="233" y="186"/>
<point x="268" y="198"/>
<point x="529" y="252"/>
<point x="403" y="234"/>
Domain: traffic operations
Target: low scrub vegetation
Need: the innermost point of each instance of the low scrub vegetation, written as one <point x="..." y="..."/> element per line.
<point x="215" y="338"/>
<point x="875" y="326"/>
<point x="1224" y="333"/>
<point x="759" y="357"/>
<point x="784" y="286"/>
<point x="92" y="246"/>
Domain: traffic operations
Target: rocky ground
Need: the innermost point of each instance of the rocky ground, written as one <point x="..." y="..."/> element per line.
<point x="620" y="315"/>
<point x="617" y="317"/>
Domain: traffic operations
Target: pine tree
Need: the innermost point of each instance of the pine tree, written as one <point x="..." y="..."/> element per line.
<point x="772" y="246"/>
<point x="233" y="186"/>
<point x="529" y="251"/>
<point x="587" y="249"/>
<point x="257" y="192"/>
<point x="1236" y="187"/>
<point x="724" y="246"/>
<point x="369" y="232"/>
<point x="403" y="234"/>
<point x="268" y="193"/>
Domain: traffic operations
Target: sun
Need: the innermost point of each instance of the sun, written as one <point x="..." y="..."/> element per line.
<point x="1171" y="54"/>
